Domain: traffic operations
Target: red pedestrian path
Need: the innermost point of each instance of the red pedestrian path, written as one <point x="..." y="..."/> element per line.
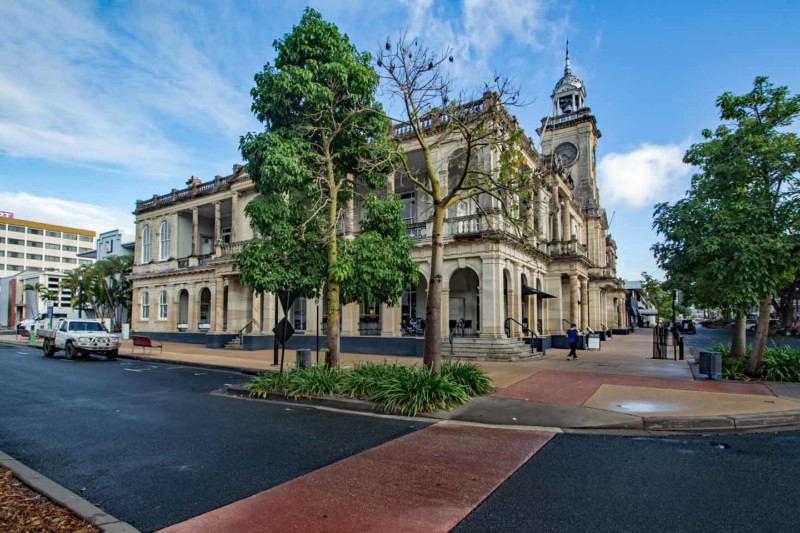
<point x="574" y="388"/>
<point x="425" y="481"/>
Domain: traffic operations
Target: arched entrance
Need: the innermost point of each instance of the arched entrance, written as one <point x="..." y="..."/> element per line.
<point x="183" y="307"/>
<point x="524" y="301"/>
<point x="506" y="297"/>
<point x="225" y="309"/>
<point x="204" y="315"/>
<point x="539" y="308"/>
<point x="464" y="300"/>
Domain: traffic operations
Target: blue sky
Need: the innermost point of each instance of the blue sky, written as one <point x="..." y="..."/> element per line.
<point x="103" y="103"/>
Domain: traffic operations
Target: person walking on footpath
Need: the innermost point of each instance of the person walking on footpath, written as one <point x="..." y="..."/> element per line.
<point x="572" y="340"/>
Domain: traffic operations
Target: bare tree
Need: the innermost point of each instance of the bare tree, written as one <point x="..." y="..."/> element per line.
<point x="488" y="139"/>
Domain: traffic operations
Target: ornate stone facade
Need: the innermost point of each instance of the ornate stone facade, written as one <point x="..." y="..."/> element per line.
<point x="187" y="286"/>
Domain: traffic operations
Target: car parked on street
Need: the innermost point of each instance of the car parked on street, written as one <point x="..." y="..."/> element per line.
<point x="79" y="337"/>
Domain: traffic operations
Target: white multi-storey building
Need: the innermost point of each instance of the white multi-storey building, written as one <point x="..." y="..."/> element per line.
<point x="28" y="245"/>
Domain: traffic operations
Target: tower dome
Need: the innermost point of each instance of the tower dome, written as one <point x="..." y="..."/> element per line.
<point x="569" y="93"/>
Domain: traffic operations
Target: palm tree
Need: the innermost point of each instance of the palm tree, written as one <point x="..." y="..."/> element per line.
<point x="45" y="294"/>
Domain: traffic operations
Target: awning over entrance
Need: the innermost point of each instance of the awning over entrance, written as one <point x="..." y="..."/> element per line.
<point x="528" y="291"/>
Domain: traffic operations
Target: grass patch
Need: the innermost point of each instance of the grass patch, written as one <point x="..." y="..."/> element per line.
<point x="395" y="388"/>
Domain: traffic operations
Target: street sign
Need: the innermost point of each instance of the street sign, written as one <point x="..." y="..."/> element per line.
<point x="283" y="331"/>
<point x="287" y="299"/>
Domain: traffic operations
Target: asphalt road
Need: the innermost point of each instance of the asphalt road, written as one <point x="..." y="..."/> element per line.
<point x="582" y="483"/>
<point x="149" y="444"/>
<point x="705" y="338"/>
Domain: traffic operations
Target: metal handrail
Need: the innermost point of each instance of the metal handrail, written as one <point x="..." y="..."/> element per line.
<point x="241" y="331"/>
<point x="459" y="323"/>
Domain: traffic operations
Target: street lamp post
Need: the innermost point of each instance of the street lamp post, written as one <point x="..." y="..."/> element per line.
<point x="80" y="295"/>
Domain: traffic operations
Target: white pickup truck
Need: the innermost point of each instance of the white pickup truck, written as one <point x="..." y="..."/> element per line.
<point x="79" y="336"/>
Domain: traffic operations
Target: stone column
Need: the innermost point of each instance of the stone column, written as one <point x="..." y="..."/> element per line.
<point x="350" y="316"/>
<point x="268" y="317"/>
<point x="533" y="313"/>
<point x="235" y="217"/>
<point x="491" y="299"/>
<point x="173" y="307"/>
<point x="573" y="299"/>
<point x="219" y="306"/>
<point x="217" y="226"/>
<point x="584" y="304"/>
<point x="195" y="231"/>
<point x="174" y="235"/>
<point x="445" y="315"/>
<point x="391" y="316"/>
<point x="515" y="298"/>
<point x="192" y="307"/>
<point x="390" y="183"/>
<point x="565" y="229"/>
<point x="255" y="307"/>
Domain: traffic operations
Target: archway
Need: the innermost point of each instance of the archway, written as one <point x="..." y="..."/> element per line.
<point x="464" y="300"/>
<point x="524" y="301"/>
<point x="506" y="296"/>
<point x="183" y="307"/>
<point x="204" y="316"/>
<point x="225" y="309"/>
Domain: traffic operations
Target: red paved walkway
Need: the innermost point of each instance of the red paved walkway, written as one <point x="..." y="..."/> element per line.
<point x="425" y="481"/>
<point x="574" y="388"/>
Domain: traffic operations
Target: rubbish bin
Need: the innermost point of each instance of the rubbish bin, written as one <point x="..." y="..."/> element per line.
<point x="303" y="359"/>
<point x="32" y="337"/>
<point x="593" y="341"/>
<point x="711" y="364"/>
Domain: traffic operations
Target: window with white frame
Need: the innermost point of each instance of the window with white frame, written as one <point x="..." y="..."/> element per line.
<point x="145" y="307"/>
<point x="147" y="244"/>
<point x="164" y="246"/>
<point x="162" y="305"/>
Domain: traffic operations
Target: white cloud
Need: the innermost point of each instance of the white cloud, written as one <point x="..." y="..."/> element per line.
<point x="66" y="213"/>
<point x="119" y="90"/>
<point x="482" y="29"/>
<point x="643" y="176"/>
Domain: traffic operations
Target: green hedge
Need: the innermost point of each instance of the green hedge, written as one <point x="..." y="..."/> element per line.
<point x="399" y="389"/>
<point x="781" y="363"/>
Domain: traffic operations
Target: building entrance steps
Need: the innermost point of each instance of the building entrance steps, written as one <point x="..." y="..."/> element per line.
<point x="480" y="349"/>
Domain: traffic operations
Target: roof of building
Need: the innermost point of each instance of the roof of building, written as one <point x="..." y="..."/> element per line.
<point x="42" y="225"/>
<point x="633" y="285"/>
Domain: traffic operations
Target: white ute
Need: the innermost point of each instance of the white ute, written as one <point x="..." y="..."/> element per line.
<point x="79" y="336"/>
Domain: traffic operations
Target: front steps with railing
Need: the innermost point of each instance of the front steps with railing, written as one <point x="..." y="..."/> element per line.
<point x="234" y="344"/>
<point x="481" y="349"/>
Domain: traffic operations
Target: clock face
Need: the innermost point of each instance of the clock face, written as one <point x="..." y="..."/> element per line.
<point x="567" y="153"/>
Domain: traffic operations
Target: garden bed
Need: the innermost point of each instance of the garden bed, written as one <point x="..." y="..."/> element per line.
<point x="781" y="363"/>
<point x="392" y="388"/>
<point x="24" y="511"/>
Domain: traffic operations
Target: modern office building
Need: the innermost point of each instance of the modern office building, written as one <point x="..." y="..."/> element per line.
<point x="28" y="245"/>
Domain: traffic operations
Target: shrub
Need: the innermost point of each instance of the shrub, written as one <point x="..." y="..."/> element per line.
<point x="315" y="381"/>
<point x="266" y="382"/>
<point x="410" y="390"/>
<point x="468" y="375"/>
<point x="781" y="363"/>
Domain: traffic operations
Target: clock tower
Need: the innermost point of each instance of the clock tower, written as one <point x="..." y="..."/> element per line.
<point x="570" y="134"/>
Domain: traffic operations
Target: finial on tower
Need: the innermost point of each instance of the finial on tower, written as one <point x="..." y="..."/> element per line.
<point x="567" y="66"/>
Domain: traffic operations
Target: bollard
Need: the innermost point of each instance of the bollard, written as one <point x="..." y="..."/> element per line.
<point x="303" y="359"/>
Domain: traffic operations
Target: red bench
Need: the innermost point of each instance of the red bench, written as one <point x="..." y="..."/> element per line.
<point x="145" y="342"/>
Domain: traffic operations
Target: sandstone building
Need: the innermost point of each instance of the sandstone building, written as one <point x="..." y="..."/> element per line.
<point x="186" y="284"/>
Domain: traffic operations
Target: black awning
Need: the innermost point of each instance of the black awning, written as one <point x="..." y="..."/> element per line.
<point x="528" y="291"/>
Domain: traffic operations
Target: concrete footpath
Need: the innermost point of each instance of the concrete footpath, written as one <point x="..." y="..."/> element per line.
<point x="619" y="387"/>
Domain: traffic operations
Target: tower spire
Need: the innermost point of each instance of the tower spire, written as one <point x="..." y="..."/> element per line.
<point x="567" y="65"/>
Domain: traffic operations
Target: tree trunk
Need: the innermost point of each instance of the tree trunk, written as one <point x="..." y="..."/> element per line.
<point x="739" y="339"/>
<point x="760" y="342"/>
<point x="432" y="356"/>
<point x="332" y="338"/>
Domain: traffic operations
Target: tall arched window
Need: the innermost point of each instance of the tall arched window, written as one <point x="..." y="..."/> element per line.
<point x="147" y="244"/>
<point x="164" y="249"/>
<point x="145" y="307"/>
<point x="162" y="305"/>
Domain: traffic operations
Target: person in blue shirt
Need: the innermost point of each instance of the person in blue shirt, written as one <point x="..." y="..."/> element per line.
<point x="572" y="340"/>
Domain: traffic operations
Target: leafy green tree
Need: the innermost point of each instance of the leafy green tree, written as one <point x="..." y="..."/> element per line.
<point x="486" y="136"/>
<point x="104" y="287"/>
<point x="659" y="294"/>
<point x="731" y="239"/>
<point x="325" y="141"/>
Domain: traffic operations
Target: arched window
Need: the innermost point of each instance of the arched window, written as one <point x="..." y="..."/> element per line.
<point x="162" y="305"/>
<point x="145" y="307"/>
<point x="147" y="244"/>
<point x="164" y="249"/>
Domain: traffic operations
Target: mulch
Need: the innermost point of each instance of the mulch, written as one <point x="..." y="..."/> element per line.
<point x="25" y="511"/>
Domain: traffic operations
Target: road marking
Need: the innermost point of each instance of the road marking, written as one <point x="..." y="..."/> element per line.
<point x="133" y="370"/>
<point x="199" y="373"/>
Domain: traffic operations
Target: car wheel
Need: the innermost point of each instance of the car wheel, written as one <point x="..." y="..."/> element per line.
<point x="70" y="352"/>
<point x="48" y="348"/>
<point x="111" y="355"/>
